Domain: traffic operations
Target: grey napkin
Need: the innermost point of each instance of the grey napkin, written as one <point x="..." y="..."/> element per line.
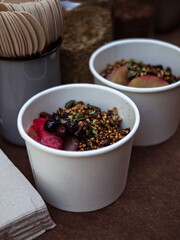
<point x="23" y="213"/>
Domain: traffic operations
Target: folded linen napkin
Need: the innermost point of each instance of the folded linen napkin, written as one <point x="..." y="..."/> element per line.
<point x="23" y="213"/>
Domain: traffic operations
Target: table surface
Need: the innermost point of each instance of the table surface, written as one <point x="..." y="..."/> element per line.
<point x="148" y="209"/>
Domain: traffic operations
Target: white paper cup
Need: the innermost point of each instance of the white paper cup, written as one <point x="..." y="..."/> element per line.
<point x="159" y="107"/>
<point x="79" y="181"/>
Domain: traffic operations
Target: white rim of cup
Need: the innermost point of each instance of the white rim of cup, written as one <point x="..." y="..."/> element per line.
<point x="126" y="88"/>
<point x="77" y="154"/>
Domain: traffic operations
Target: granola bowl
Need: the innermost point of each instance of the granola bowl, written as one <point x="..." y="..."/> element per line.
<point x="158" y="106"/>
<point x="80" y="181"/>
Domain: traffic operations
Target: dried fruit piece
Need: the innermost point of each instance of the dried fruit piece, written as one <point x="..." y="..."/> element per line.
<point x="70" y="143"/>
<point x="119" y="75"/>
<point x="147" y="81"/>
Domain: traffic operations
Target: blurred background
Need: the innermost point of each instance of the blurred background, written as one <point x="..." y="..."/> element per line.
<point x="147" y="18"/>
<point x="88" y="24"/>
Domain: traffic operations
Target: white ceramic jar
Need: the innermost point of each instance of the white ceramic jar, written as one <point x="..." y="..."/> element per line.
<point x="20" y="79"/>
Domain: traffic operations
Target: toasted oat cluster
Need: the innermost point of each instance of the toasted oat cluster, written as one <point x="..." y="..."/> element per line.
<point x="80" y="127"/>
<point x="135" y="73"/>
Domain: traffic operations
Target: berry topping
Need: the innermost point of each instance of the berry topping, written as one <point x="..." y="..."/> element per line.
<point x="50" y="140"/>
<point x="61" y="131"/>
<point x="50" y="125"/>
<point x="39" y="134"/>
<point x="78" y="127"/>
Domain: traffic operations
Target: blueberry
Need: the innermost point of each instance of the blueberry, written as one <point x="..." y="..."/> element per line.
<point x="50" y="125"/>
<point x="71" y="128"/>
<point x="56" y="117"/>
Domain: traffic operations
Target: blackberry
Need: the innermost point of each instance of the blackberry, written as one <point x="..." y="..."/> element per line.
<point x="79" y="133"/>
<point x="71" y="128"/>
<point x="61" y="131"/>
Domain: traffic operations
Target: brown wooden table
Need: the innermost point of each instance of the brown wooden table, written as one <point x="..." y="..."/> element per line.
<point x="148" y="209"/>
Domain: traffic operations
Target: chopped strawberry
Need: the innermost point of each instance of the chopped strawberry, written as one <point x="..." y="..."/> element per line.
<point x="33" y="134"/>
<point x="38" y="124"/>
<point x="50" y="140"/>
<point x="39" y="134"/>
